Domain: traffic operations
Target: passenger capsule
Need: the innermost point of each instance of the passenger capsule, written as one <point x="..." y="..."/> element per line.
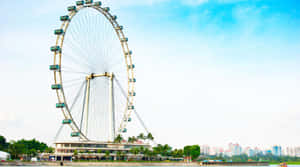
<point x="106" y="9"/>
<point x="64" y="18"/>
<point x="79" y="3"/>
<point x="119" y="28"/>
<point x="130" y="107"/>
<point x="75" y="134"/>
<point x="97" y="3"/>
<point x="124" y="130"/>
<point x="56" y="86"/>
<point x="132" y="93"/>
<point x="54" y="67"/>
<point x="71" y="8"/>
<point x="132" y="80"/>
<point x="131" y="66"/>
<point x="88" y="1"/>
<point x="124" y="40"/>
<point x="60" y="105"/>
<point x="67" y="121"/>
<point x="58" y="31"/>
<point x="55" y="48"/>
<point x="128" y="53"/>
<point x="128" y="120"/>
<point x="114" y="17"/>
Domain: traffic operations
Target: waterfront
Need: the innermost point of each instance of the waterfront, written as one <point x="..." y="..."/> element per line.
<point x="128" y="164"/>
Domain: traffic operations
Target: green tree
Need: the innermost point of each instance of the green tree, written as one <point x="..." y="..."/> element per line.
<point x="107" y="154"/>
<point x="164" y="150"/>
<point x="119" y="154"/>
<point x="141" y="149"/>
<point x="49" y="150"/>
<point x="135" y="151"/>
<point x="75" y="154"/>
<point x="3" y="144"/>
<point x="177" y="153"/>
<point x="132" y="139"/>
<point x="118" y="139"/>
<point x="150" y="137"/>
<point x="129" y="140"/>
<point x="147" y="153"/>
<point x="193" y="151"/>
<point x="141" y="136"/>
<point x="32" y="152"/>
<point x="16" y="149"/>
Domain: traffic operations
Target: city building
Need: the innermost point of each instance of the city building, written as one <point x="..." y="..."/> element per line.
<point x="276" y="150"/>
<point x="205" y="150"/>
<point x="235" y="149"/>
<point x="94" y="150"/>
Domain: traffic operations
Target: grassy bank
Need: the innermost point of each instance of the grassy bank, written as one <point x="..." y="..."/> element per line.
<point x="289" y="163"/>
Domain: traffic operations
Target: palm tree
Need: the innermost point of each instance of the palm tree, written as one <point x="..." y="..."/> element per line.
<point x="75" y="154"/>
<point x="166" y="150"/>
<point x="99" y="153"/>
<point x="129" y="140"/>
<point x="147" y="153"/>
<point x="118" y="139"/>
<point x="141" y="136"/>
<point x="134" y="151"/>
<point x="134" y="139"/>
<point x="141" y="149"/>
<point x="150" y="137"/>
<point x="119" y="154"/>
<point x="107" y="154"/>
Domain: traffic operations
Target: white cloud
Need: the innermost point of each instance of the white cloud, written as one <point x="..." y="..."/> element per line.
<point x="194" y="2"/>
<point x="231" y="1"/>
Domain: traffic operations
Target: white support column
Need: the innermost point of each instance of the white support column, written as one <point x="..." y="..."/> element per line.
<point x="87" y="105"/>
<point x="111" y="109"/>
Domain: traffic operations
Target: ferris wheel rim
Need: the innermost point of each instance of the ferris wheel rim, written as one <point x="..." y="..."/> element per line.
<point x="58" y="74"/>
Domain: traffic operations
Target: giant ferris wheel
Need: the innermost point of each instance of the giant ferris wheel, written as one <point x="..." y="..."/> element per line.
<point x="93" y="73"/>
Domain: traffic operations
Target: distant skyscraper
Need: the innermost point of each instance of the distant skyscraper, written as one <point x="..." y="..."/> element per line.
<point x="205" y="150"/>
<point x="290" y="151"/>
<point x="235" y="149"/>
<point x="297" y="151"/>
<point x="276" y="150"/>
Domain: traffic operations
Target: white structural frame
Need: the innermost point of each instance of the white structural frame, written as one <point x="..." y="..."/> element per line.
<point x="127" y="54"/>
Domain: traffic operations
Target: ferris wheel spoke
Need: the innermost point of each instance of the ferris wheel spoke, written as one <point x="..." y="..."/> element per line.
<point x="58" y="132"/>
<point x="77" y="60"/>
<point x="72" y="83"/>
<point x="121" y="88"/>
<point x="83" y="107"/>
<point x="75" y="72"/>
<point x="73" y="80"/>
<point x="77" y="96"/>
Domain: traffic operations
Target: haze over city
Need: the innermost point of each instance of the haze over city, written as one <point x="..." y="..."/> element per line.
<point x="208" y="71"/>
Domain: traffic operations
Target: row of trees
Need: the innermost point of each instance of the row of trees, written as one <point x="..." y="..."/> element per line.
<point x="133" y="139"/>
<point x="167" y="151"/>
<point x="30" y="148"/>
<point x="23" y="148"/>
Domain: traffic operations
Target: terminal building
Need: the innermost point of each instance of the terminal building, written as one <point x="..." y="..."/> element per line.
<point x="95" y="150"/>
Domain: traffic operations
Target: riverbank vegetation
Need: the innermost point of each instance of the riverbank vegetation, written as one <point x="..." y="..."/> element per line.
<point x="24" y="148"/>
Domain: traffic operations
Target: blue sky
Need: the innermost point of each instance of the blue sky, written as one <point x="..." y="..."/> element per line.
<point x="208" y="71"/>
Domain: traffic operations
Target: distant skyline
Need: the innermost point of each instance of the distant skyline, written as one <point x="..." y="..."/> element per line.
<point x="208" y="71"/>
